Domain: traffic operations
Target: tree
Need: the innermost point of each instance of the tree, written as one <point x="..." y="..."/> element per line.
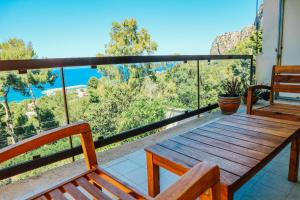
<point x="38" y="79"/>
<point x="92" y="90"/>
<point x="17" y="49"/>
<point x="141" y="112"/>
<point x="13" y="49"/>
<point x="127" y="40"/>
<point x="48" y="118"/>
<point x="114" y="99"/>
<point x="10" y="81"/>
<point x="23" y="125"/>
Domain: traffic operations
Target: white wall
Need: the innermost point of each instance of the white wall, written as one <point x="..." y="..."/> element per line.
<point x="291" y="38"/>
<point x="291" y="33"/>
<point x="267" y="59"/>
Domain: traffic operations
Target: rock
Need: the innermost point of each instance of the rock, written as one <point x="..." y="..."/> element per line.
<point x="227" y="41"/>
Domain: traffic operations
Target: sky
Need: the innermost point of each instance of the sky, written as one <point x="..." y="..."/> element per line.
<point x="80" y="28"/>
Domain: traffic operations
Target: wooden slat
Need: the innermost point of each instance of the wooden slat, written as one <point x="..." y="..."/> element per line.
<point x="272" y="138"/>
<point x="281" y="110"/>
<point x="259" y="121"/>
<point x="287" y="69"/>
<point x="63" y="183"/>
<point x="275" y="120"/>
<point x="249" y="162"/>
<point x="74" y="192"/>
<point x="263" y="130"/>
<point x="180" y="160"/>
<point x="286" y="106"/>
<point x="224" y="145"/>
<point x="57" y="195"/>
<point x="229" y="166"/>
<point x="41" y="198"/>
<point x="259" y="125"/>
<point x="287" y="78"/>
<point x="268" y="123"/>
<point x="240" y="136"/>
<point x="94" y="191"/>
<point x="234" y="141"/>
<point x="286" y="88"/>
<point x="110" y="187"/>
<point x="283" y="116"/>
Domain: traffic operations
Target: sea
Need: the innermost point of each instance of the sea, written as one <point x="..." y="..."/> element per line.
<point x="74" y="76"/>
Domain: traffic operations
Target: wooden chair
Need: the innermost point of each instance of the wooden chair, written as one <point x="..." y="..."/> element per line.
<point x="99" y="184"/>
<point x="284" y="79"/>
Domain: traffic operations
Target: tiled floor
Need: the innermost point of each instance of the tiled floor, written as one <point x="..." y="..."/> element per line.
<point x="270" y="183"/>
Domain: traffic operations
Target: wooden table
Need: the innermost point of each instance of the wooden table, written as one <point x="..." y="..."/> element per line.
<point x="239" y="144"/>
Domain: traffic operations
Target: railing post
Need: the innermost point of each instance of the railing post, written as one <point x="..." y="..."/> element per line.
<point x="251" y="70"/>
<point x="198" y="85"/>
<point x="66" y="105"/>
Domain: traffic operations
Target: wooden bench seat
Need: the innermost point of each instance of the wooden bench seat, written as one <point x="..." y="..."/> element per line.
<point x="280" y="111"/>
<point x="97" y="183"/>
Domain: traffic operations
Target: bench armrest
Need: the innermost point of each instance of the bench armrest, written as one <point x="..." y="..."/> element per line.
<point x="53" y="135"/>
<point x="250" y="93"/>
<point x="195" y="182"/>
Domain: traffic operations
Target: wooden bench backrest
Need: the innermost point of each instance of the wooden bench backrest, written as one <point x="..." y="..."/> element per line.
<point x="286" y="79"/>
<point x="29" y="144"/>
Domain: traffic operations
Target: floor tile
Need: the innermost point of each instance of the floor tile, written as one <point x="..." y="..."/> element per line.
<point x="294" y="193"/>
<point x="262" y="192"/>
<point x="124" y="166"/>
<point x="137" y="176"/>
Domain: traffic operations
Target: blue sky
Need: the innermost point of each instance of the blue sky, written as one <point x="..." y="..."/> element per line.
<point x="78" y="28"/>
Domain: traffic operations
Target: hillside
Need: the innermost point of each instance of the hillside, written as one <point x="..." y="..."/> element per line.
<point x="228" y="40"/>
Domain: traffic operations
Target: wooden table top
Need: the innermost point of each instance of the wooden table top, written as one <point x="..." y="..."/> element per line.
<point x="239" y="144"/>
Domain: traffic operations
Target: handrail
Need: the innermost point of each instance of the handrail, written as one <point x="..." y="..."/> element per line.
<point x="8" y="65"/>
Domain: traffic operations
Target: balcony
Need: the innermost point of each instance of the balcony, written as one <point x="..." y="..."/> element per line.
<point x="127" y="159"/>
<point x="128" y="162"/>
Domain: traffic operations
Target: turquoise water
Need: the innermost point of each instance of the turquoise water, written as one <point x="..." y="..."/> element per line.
<point x="73" y="76"/>
<point x="78" y="76"/>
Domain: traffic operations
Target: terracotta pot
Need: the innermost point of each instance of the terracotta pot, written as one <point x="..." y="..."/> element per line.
<point x="229" y="105"/>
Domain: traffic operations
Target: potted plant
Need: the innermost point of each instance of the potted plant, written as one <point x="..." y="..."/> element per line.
<point x="256" y="94"/>
<point x="230" y="96"/>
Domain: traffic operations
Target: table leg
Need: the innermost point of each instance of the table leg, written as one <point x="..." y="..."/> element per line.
<point x="225" y="193"/>
<point x="153" y="176"/>
<point x="294" y="160"/>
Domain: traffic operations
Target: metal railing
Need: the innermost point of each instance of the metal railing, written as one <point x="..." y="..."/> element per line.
<point x="23" y="65"/>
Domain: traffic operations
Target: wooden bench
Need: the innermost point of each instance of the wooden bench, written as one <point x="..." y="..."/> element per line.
<point x="98" y="183"/>
<point x="241" y="145"/>
<point x="284" y="79"/>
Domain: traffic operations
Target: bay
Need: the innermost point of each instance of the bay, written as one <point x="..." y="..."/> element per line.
<point x="74" y="76"/>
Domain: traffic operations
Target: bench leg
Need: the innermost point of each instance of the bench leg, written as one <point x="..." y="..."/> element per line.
<point x="294" y="160"/>
<point x="212" y="193"/>
<point x="153" y="176"/>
